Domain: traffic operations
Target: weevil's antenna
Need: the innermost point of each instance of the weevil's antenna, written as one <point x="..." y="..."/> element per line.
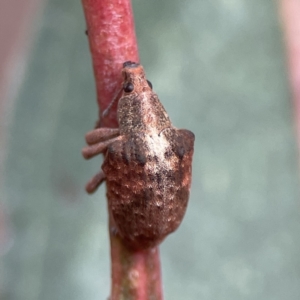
<point x="115" y="98"/>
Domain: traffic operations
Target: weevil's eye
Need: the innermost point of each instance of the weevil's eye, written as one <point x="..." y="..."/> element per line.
<point x="128" y="87"/>
<point x="150" y="84"/>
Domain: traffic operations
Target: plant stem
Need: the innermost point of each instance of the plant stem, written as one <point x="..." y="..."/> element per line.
<point x="135" y="275"/>
<point x="110" y="29"/>
<point x="290" y="13"/>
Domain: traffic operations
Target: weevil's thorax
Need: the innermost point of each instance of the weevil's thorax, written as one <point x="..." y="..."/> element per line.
<point x="140" y="110"/>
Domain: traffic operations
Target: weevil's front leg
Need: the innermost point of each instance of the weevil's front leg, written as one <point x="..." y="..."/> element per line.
<point x="94" y="182"/>
<point x="92" y="150"/>
<point x="101" y="134"/>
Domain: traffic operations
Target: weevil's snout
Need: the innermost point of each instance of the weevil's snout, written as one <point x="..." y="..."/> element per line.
<point x="130" y="64"/>
<point x="132" y="70"/>
<point x="134" y="78"/>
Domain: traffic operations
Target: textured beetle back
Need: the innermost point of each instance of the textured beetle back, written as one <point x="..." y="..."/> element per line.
<point x="147" y="198"/>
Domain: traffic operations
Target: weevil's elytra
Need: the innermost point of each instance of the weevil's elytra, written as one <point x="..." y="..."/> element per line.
<point x="147" y="165"/>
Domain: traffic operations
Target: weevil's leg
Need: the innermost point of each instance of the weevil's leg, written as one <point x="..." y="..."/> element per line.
<point x="101" y="134"/>
<point x="90" y="151"/>
<point x="95" y="182"/>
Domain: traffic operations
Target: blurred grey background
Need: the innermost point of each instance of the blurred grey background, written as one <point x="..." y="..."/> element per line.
<point x="219" y="69"/>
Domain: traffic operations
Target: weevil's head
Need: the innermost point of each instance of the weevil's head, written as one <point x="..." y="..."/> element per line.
<point x="134" y="79"/>
<point x="139" y="108"/>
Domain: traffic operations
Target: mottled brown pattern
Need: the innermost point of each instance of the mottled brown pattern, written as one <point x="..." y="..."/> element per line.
<point x="147" y="166"/>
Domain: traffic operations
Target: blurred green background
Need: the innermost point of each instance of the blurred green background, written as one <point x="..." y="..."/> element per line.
<point x="219" y="69"/>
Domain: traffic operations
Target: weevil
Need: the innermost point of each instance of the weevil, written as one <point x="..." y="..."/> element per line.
<point x="147" y="164"/>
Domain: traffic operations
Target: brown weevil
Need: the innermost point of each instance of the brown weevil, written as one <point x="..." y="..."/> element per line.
<point x="147" y="164"/>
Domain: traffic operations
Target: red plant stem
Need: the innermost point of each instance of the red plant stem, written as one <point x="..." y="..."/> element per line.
<point x="135" y="274"/>
<point x="110" y="28"/>
<point x="290" y="13"/>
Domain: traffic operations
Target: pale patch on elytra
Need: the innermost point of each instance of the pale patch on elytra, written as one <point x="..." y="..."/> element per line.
<point x="158" y="146"/>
